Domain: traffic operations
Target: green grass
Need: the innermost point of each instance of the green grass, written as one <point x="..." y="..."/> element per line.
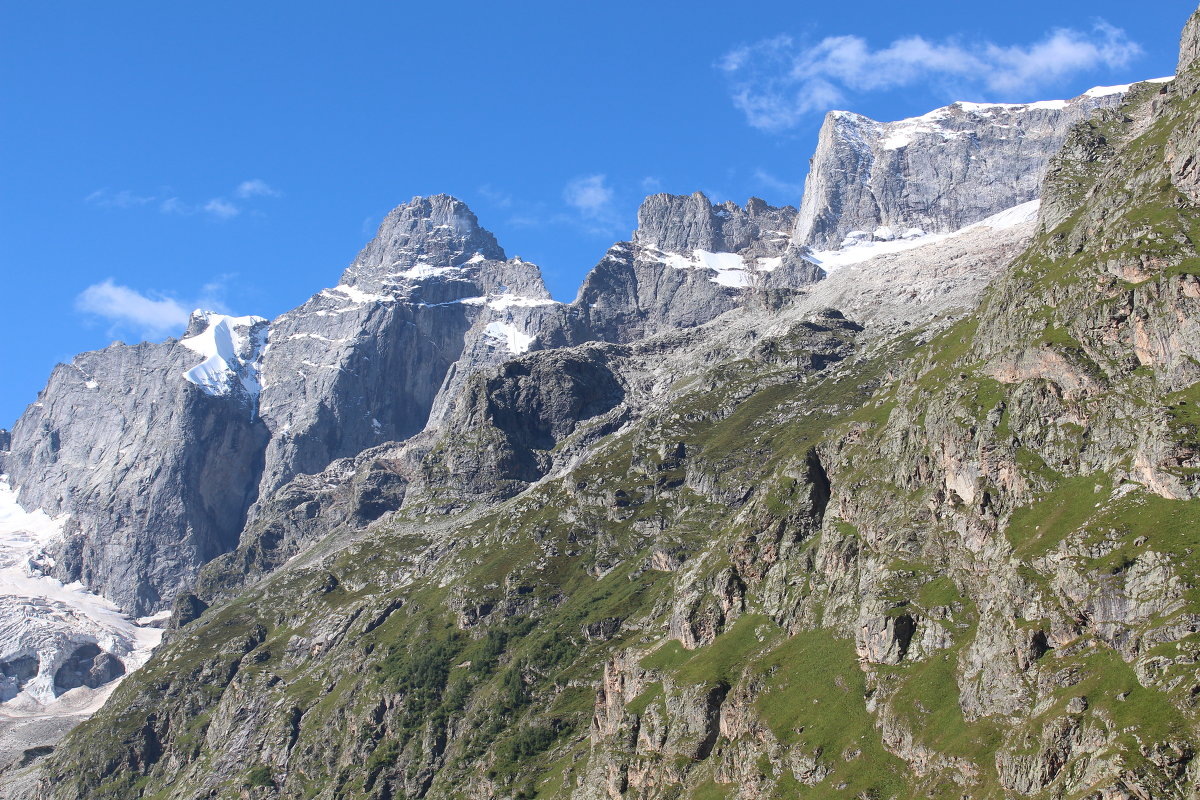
<point x="1184" y="408"/>
<point x="710" y="790"/>
<point x="938" y="592"/>
<point x="260" y="776"/>
<point x="928" y="699"/>
<point x="723" y="661"/>
<point x="651" y="694"/>
<point x="815" y="699"/>
<point x="667" y="658"/>
<point x="1035" y="529"/>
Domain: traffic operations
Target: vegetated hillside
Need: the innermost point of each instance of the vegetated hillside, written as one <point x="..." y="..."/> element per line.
<point x="958" y="562"/>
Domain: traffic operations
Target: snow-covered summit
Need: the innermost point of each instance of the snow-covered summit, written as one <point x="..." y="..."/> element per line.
<point x="232" y="348"/>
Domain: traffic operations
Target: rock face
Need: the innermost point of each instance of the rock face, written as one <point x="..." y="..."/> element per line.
<point x="89" y="666"/>
<point x="154" y="450"/>
<point x="935" y="173"/>
<point x="1189" y="49"/>
<point x="158" y="450"/>
<point x="689" y="262"/>
<point x="430" y="299"/>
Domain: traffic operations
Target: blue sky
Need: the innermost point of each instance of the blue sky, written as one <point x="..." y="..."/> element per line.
<point x="159" y="156"/>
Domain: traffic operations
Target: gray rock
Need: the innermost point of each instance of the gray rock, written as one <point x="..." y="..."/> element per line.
<point x="427" y="302"/>
<point x="1189" y="45"/>
<point x="938" y="173"/>
<point x="155" y="470"/>
<point x="688" y="263"/>
<point x="87" y="666"/>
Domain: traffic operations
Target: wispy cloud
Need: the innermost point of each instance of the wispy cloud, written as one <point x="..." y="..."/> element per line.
<point x="594" y="205"/>
<point x="221" y="208"/>
<point x="651" y="184"/>
<point x="779" y="82"/>
<point x="588" y="203"/>
<point x="217" y="208"/>
<point x="147" y="315"/>
<point x="590" y="195"/>
<point x="122" y="199"/>
<point x="497" y="197"/>
<point x="126" y="308"/>
<point x="255" y="187"/>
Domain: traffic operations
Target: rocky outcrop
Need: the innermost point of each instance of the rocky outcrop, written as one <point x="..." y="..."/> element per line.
<point x="689" y="262"/>
<point x="935" y="173"/>
<point x="430" y="300"/>
<point x="154" y="450"/>
<point x="1189" y="46"/>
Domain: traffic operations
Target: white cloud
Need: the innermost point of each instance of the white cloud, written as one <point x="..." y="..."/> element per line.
<point x="255" y="187"/>
<point x="596" y="208"/>
<point x="221" y="208"/>
<point x="148" y="315"/>
<point x="127" y="308"/>
<point x="590" y="195"/>
<point x="651" y="184"/>
<point x="497" y="197"/>
<point x="779" y="82"/>
<point x="122" y="199"/>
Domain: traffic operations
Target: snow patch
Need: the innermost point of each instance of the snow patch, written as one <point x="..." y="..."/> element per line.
<point x="231" y="347"/>
<point x="358" y="296"/>
<point x="419" y="272"/>
<point x="500" y="302"/>
<point x="515" y="340"/>
<point x="734" y="278"/>
<point x="1011" y="217"/>
<point x="43" y="618"/>
<point x="730" y="269"/>
<point x="858" y="246"/>
<point x="903" y="132"/>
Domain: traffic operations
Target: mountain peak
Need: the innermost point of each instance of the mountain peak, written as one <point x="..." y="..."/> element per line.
<point x="684" y="223"/>
<point x="1189" y="45"/>
<point x="438" y="230"/>
<point x="937" y="172"/>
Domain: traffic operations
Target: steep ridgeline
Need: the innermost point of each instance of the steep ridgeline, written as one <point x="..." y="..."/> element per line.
<point x="490" y="434"/>
<point x="935" y="173"/>
<point x="690" y="261"/>
<point x="429" y="300"/>
<point x="153" y="450"/>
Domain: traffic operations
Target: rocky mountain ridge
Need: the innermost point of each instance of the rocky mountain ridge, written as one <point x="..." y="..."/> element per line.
<point x="935" y="173"/>
<point x="801" y="500"/>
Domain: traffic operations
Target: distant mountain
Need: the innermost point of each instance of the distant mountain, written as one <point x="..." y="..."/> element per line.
<point x="935" y="173"/>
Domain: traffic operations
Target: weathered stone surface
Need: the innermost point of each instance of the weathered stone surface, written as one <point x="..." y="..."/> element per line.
<point x="689" y="262"/>
<point x="939" y="172"/>
<point x="155" y="472"/>
<point x="751" y="547"/>
<point x="428" y="301"/>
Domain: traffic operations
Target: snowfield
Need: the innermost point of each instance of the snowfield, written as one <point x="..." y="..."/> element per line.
<point x="41" y="618"/>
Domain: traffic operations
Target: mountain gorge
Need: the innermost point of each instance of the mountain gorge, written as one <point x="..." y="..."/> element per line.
<point x="889" y="496"/>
